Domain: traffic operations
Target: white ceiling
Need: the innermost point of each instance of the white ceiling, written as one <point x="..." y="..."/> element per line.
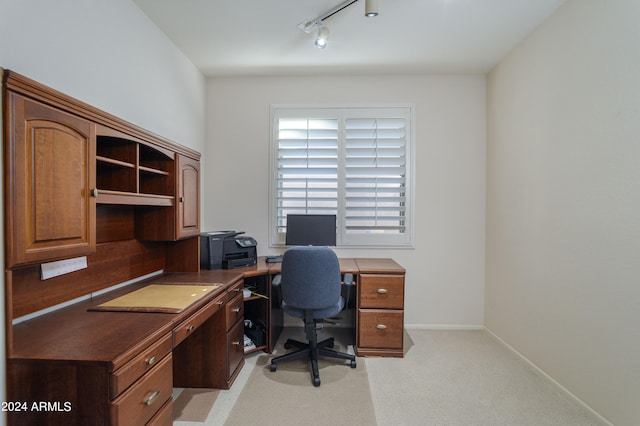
<point x="252" y="37"/>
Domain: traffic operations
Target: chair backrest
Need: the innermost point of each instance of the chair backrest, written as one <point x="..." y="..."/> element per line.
<point x="310" y="277"/>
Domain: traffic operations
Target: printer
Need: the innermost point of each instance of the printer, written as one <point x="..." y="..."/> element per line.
<point x="227" y="250"/>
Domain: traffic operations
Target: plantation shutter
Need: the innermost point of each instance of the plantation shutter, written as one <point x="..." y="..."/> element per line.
<point x="375" y="182"/>
<point x="307" y="165"/>
<point x="353" y="162"/>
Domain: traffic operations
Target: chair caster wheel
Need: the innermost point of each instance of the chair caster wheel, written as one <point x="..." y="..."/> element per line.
<point x="316" y="381"/>
<point x="331" y="343"/>
<point x="274" y="367"/>
<point x="287" y="345"/>
<point x="353" y="364"/>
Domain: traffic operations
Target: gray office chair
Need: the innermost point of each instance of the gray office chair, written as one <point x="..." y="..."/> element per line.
<point x="310" y="283"/>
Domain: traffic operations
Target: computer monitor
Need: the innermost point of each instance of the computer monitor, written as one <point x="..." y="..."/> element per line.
<point x="311" y="230"/>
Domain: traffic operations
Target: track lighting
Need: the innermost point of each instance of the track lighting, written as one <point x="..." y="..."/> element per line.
<point x="370" y="9"/>
<point x="323" y="35"/>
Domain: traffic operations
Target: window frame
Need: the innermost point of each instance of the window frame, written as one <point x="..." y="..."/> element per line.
<point x="342" y="112"/>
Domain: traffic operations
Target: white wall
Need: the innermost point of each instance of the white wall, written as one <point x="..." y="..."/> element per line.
<point x="445" y="271"/>
<point x="106" y="53"/>
<point x="563" y="205"/>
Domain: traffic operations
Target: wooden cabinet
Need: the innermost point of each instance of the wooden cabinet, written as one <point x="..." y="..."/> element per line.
<point x="133" y="172"/>
<point x="231" y="355"/>
<point x="63" y="158"/>
<point x="380" y="308"/>
<point x="235" y="352"/>
<point x="77" y="392"/>
<point x="79" y="181"/>
<point x="50" y="208"/>
<point x="211" y="355"/>
<point x="182" y="220"/>
<point x="188" y="207"/>
<point x="165" y="184"/>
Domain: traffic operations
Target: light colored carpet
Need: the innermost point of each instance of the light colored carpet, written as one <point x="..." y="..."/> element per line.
<point x="447" y="378"/>
<point x="287" y="396"/>
<point x="466" y="378"/>
<point x="193" y="405"/>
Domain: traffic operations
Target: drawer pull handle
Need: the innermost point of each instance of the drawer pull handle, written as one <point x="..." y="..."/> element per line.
<point x="381" y="327"/>
<point x="220" y="302"/>
<point x="236" y="342"/>
<point x="94" y="192"/>
<point x="382" y="291"/>
<point x="235" y="310"/>
<point x="151" y="360"/>
<point x="237" y="289"/>
<point x="190" y="328"/>
<point x="151" y="398"/>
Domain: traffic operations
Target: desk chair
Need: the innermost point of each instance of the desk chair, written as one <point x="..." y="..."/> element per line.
<point x="310" y="286"/>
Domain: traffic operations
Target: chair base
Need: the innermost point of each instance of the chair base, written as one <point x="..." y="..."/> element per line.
<point x="311" y="351"/>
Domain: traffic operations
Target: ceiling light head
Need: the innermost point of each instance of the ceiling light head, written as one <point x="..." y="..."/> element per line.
<point x="323" y="35"/>
<point x="371" y="8"/>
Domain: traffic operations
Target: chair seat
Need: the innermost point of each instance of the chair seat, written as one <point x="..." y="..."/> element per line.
<point x="317" y="313"/>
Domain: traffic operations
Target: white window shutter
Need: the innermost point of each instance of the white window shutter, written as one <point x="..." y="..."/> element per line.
<point x="375" y="176"/>
<point x="307" y="167"/>
<point x="351" y="162"/>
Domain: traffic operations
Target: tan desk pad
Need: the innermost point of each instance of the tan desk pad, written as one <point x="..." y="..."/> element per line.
<point x="158" y="298"/>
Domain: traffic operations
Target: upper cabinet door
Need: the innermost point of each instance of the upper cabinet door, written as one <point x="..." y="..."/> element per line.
<point x="50" y="182"/>
<point x="188" y="209"/>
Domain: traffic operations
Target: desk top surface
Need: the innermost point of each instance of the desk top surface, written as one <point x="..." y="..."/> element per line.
<point x="75" y="334"/>
<point x="347" y="265"/>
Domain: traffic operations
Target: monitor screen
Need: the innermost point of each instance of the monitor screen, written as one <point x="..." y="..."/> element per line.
<point x="311" y="230"/>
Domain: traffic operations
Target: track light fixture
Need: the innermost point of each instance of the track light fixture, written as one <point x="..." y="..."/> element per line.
<point x="323" y="35"/>
<point x="370" y="9"/>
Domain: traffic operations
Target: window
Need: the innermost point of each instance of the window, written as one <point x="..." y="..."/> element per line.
<point x="351" y="162"/>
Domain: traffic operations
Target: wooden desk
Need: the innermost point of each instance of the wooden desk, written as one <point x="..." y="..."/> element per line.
<point x="120" y="367"/>
<point x="96" y="368"/>
<point x="379" y="304"/>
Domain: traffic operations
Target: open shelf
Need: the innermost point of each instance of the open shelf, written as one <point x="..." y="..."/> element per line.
<point x="256" y="349"/>
<point x="153" y="171"/>
<point x="130" y="172"/>
<point x="114" y="162"/>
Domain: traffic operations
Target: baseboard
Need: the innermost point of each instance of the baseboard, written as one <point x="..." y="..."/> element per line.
<point x="460" y="327"/>
<point x="541" y="372"/>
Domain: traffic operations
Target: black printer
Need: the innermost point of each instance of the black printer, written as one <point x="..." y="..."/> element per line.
<point x="227" y="250"/>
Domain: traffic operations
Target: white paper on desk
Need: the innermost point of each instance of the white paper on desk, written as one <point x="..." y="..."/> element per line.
<point x="61" y="267"/>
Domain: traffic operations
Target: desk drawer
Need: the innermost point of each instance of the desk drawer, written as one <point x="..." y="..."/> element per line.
<point x="235" y="290"/>
<point x="143" y="399"/>
<point x="190" y="325"/>
<point x="381" y="291"/>
<point x="125" y="376"/>
<point x="381" y="328"/>
<point x="164" y="416"/>
<point x="235" y="348"/>
<point x="235" y="310"/>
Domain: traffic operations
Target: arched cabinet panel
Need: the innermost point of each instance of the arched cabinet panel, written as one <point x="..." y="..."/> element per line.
<point x="50" y="182"/>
